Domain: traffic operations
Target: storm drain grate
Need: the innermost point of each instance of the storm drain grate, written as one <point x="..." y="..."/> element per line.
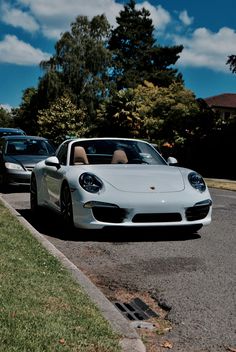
<point x="136" y="310"/>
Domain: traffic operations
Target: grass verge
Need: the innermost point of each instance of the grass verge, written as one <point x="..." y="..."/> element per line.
<point x="221" y="184"/>
<point x="42" y="307"/>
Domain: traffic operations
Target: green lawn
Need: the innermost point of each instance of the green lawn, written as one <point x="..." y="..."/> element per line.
<point x="42" y="308"/>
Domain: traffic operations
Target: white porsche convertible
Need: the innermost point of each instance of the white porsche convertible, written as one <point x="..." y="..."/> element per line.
<point x="100" y="182"/>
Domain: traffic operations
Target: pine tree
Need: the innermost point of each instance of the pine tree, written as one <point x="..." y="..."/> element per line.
<point x="136" y="56"/>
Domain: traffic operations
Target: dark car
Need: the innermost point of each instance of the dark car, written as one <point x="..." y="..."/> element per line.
<point x="4" y="131"/>
<point x="18" y="156"/>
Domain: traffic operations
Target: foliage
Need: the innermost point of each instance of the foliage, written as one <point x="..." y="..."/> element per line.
<point x="159" y="114"/>
<point x="25" y="115"/>
<point x="80" y="64"/>
<point x="232" y="63"/>
<point x="120" y="82"/>
<point x="118" y="115"/>
<point x="5" y="118"/>
<point x="136" y="57"/>
<point x="50" y="88"/>
<point x="61" y="120"/>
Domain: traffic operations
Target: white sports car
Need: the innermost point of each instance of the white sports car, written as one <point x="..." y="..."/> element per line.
<point x="100" y="182"/>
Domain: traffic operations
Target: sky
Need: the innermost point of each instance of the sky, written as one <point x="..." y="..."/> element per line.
<point x="29" y="30"/>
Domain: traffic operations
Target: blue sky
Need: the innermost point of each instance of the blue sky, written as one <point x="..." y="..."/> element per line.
<point x="29" y="30"/>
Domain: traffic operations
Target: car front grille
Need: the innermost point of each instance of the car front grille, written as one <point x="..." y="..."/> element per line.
<point x="159" y="217"/>
<point x="117" y="215"/>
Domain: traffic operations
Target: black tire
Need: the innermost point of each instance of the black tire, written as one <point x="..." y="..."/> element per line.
<point x="66" y="207"/>
<point x="4" y="187"/>
<point x="33" y="196"/>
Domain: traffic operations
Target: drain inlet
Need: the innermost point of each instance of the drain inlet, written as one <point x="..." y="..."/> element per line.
<point x="135" y="310"/>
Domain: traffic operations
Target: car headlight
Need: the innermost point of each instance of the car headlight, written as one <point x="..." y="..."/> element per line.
<point x="196" y="181"/>
<point x="90" y="182"/>
<point x="13" y="166"/>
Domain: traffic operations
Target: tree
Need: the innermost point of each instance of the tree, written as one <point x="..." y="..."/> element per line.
<point x="232" y="63"/>
<point x="25" y="116"/>
<point x="159" y="114"/>
<point x="118" y="115"/>
<point x="80" y="64"/>
<point x="62" y="120"/>
<point x="5" y="118"/>
<point x="136" y="57"/>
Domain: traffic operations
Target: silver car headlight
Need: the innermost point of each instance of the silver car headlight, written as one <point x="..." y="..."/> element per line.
<point x="13" y="166"/>
<point x="196" y="181"/>
<point x="90" y="182"/>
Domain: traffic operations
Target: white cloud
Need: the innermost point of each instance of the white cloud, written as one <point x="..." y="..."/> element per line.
<point x="56" y="16"/>
<point x="207" y="49"/>
<point x="15" y="51"/>
<point x="202" y="48"/>
<point x="18" y="18"/>
<point x="185" y="19"/>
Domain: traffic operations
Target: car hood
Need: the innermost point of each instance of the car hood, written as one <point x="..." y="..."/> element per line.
<point x="142" y="178"/>
<point x="25" y="160"/>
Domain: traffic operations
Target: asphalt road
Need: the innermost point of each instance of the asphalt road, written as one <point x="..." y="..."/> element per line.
<point x="193" y="277"/>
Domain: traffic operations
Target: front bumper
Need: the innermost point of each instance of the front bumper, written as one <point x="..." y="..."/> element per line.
<point x="144" y="211"/>
<point x="17" y="178"/>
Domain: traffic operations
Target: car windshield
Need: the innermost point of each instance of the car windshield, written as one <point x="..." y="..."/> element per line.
<point x="118" y="151"/>
<point x="28" y="147"/>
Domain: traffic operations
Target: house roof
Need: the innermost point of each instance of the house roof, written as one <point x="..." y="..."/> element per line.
<point x="226" y="100"/>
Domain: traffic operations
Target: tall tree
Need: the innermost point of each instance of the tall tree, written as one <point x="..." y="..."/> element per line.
<point x="25" y="116"/>
<point x="136" y="56"/>
<point x="80" y="63"/>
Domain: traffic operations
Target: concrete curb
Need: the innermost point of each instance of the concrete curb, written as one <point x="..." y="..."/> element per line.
<point x="130" y="340"/>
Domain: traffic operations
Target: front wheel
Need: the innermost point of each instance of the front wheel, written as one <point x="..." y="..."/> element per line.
<point x="66" y="207"/>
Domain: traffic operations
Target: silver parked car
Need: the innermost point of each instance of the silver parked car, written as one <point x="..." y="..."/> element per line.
<point x="18" y="156"/>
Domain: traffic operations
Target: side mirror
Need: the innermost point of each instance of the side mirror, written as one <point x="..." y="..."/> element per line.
<point x="53" y="161"/>
<point x="172" y="161"/>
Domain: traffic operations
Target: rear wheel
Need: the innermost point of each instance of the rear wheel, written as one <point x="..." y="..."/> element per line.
<point x="66" y="207"/>
<point x="33" y="196"/>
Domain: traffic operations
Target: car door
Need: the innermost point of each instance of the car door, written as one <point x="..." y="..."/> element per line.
<point x="53" y="177"/>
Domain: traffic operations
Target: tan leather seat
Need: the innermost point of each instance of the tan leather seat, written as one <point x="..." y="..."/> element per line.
<point x="119" y="157"/>
<point x="80" y="156"/>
